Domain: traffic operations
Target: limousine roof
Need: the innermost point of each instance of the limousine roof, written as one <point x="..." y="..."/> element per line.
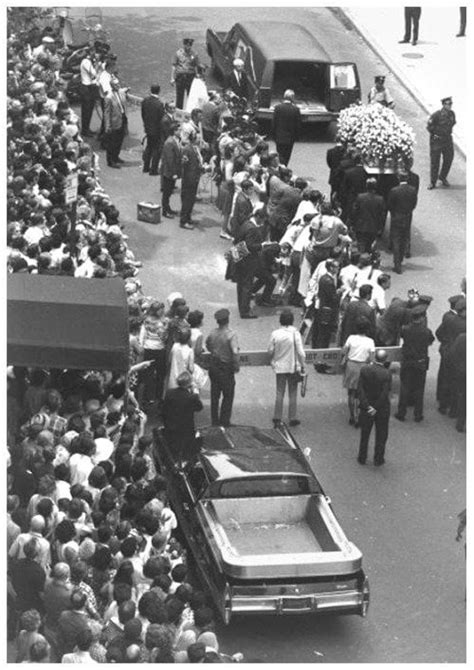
<point x="245" y="451"/>
<point x="284" y="41"/>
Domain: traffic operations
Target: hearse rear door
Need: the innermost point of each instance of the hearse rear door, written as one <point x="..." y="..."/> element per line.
<point x="344" y="86"/>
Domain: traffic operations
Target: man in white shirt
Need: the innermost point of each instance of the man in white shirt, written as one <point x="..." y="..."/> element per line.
<point x="89" y="91"/>
<point x="381" y="285"/>
<point x="46" y="48"/>
<point x="288" y="358"/>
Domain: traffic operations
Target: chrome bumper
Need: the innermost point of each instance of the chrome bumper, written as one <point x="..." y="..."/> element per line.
<point x="352" y="601"/>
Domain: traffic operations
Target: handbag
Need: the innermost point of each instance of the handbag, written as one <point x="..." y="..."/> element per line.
<point x="200" y="376"/>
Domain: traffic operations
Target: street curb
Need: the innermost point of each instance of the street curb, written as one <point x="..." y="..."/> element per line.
<point x="379" y="51"/>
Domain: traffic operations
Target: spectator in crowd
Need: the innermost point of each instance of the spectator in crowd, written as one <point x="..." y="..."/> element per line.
<point x="223" y="346"/>
<point x="287" y="360"/>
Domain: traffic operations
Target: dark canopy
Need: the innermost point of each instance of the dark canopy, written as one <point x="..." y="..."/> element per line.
<point x="67" y="322"/>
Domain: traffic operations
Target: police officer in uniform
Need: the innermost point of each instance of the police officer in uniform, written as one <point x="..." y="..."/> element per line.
<point x="379" y="93"/>
<point x="440" y="127"/>
<point x="183" y="71"/>
<point x="417" y="337"/>
<point x="223" y="346"/>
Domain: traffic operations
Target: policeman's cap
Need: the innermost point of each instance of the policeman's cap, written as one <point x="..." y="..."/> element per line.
<point x="222" y="315"/>
<point x="379" y="79"/>
<point x="425" y="299"/>
<point x="449" y="99"/>
<point x="188" y="41"/>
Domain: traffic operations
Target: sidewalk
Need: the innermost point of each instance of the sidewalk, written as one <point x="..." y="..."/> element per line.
<point x="433" y="69"/>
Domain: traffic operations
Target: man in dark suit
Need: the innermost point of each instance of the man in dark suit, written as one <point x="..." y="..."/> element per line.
<point x="412" y="18"/>
<point x="457" y="364"/>
<point x="325" y="321"/>
<point x="417" y="338"/>
<point x="252" y="233"/>
<point x="152" y="114"/>
<point x="179" y="407"/>
<point x="413" y="179"/>
<point x="453" y="323"/>
<point x="285" y="208"/>
<point x="238" y="81"/>
<point x="191" y="162"/>
<point x="356" y="310"/>
<point x="170" y="169"/>
<point x="368" y="216"/>
<point x="286" y="126"/>
<point x="401" y="202"/>
<point x="352" y="183"/>
<point x="334" y="156"/>
<point x="242" y="208"/>
<point x="374" y="406"/>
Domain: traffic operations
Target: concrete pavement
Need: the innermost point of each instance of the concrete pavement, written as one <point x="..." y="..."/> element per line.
<point x="433" y="69"/>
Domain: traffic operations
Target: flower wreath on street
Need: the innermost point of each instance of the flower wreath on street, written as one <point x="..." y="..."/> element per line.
<point x="377" y="134"/>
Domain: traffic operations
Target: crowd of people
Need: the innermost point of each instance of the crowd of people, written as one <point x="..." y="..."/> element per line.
<point x="96" y="571"/>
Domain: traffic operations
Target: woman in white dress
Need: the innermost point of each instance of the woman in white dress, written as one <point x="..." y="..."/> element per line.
<point x="198" y="94"/>
<point x="181" y="357"/>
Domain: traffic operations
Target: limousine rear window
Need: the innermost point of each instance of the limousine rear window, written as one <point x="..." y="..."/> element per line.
<point x="263" y="487"/>
<point x="343" y="76"/>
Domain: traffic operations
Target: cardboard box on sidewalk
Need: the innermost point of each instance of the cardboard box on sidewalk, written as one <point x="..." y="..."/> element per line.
<point x="149" y="212"/>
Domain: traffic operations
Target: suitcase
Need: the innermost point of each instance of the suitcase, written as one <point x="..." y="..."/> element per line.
<point x="149" y="212"/>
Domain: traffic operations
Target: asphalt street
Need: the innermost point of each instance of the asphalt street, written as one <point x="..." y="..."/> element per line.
<point x="403" y="515"/>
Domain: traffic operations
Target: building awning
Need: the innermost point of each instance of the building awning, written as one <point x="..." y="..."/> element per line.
<point x="67" y="322"/>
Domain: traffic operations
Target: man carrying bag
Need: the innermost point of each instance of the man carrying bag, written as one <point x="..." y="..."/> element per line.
<point x="288" y="358"/>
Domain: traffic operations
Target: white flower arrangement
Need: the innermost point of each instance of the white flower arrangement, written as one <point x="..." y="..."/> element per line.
<point x="377" y="134"/>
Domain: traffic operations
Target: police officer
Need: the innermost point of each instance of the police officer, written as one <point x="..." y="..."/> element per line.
<point x="417" y="337"/>
<point x="379" y="93"/>
<point x="223" y="346"/>
<point x="184" y="69"/>
<point x="440" y="127"/>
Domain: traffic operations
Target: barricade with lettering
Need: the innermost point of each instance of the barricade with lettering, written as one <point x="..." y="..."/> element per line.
<point x="331" y="357"/>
